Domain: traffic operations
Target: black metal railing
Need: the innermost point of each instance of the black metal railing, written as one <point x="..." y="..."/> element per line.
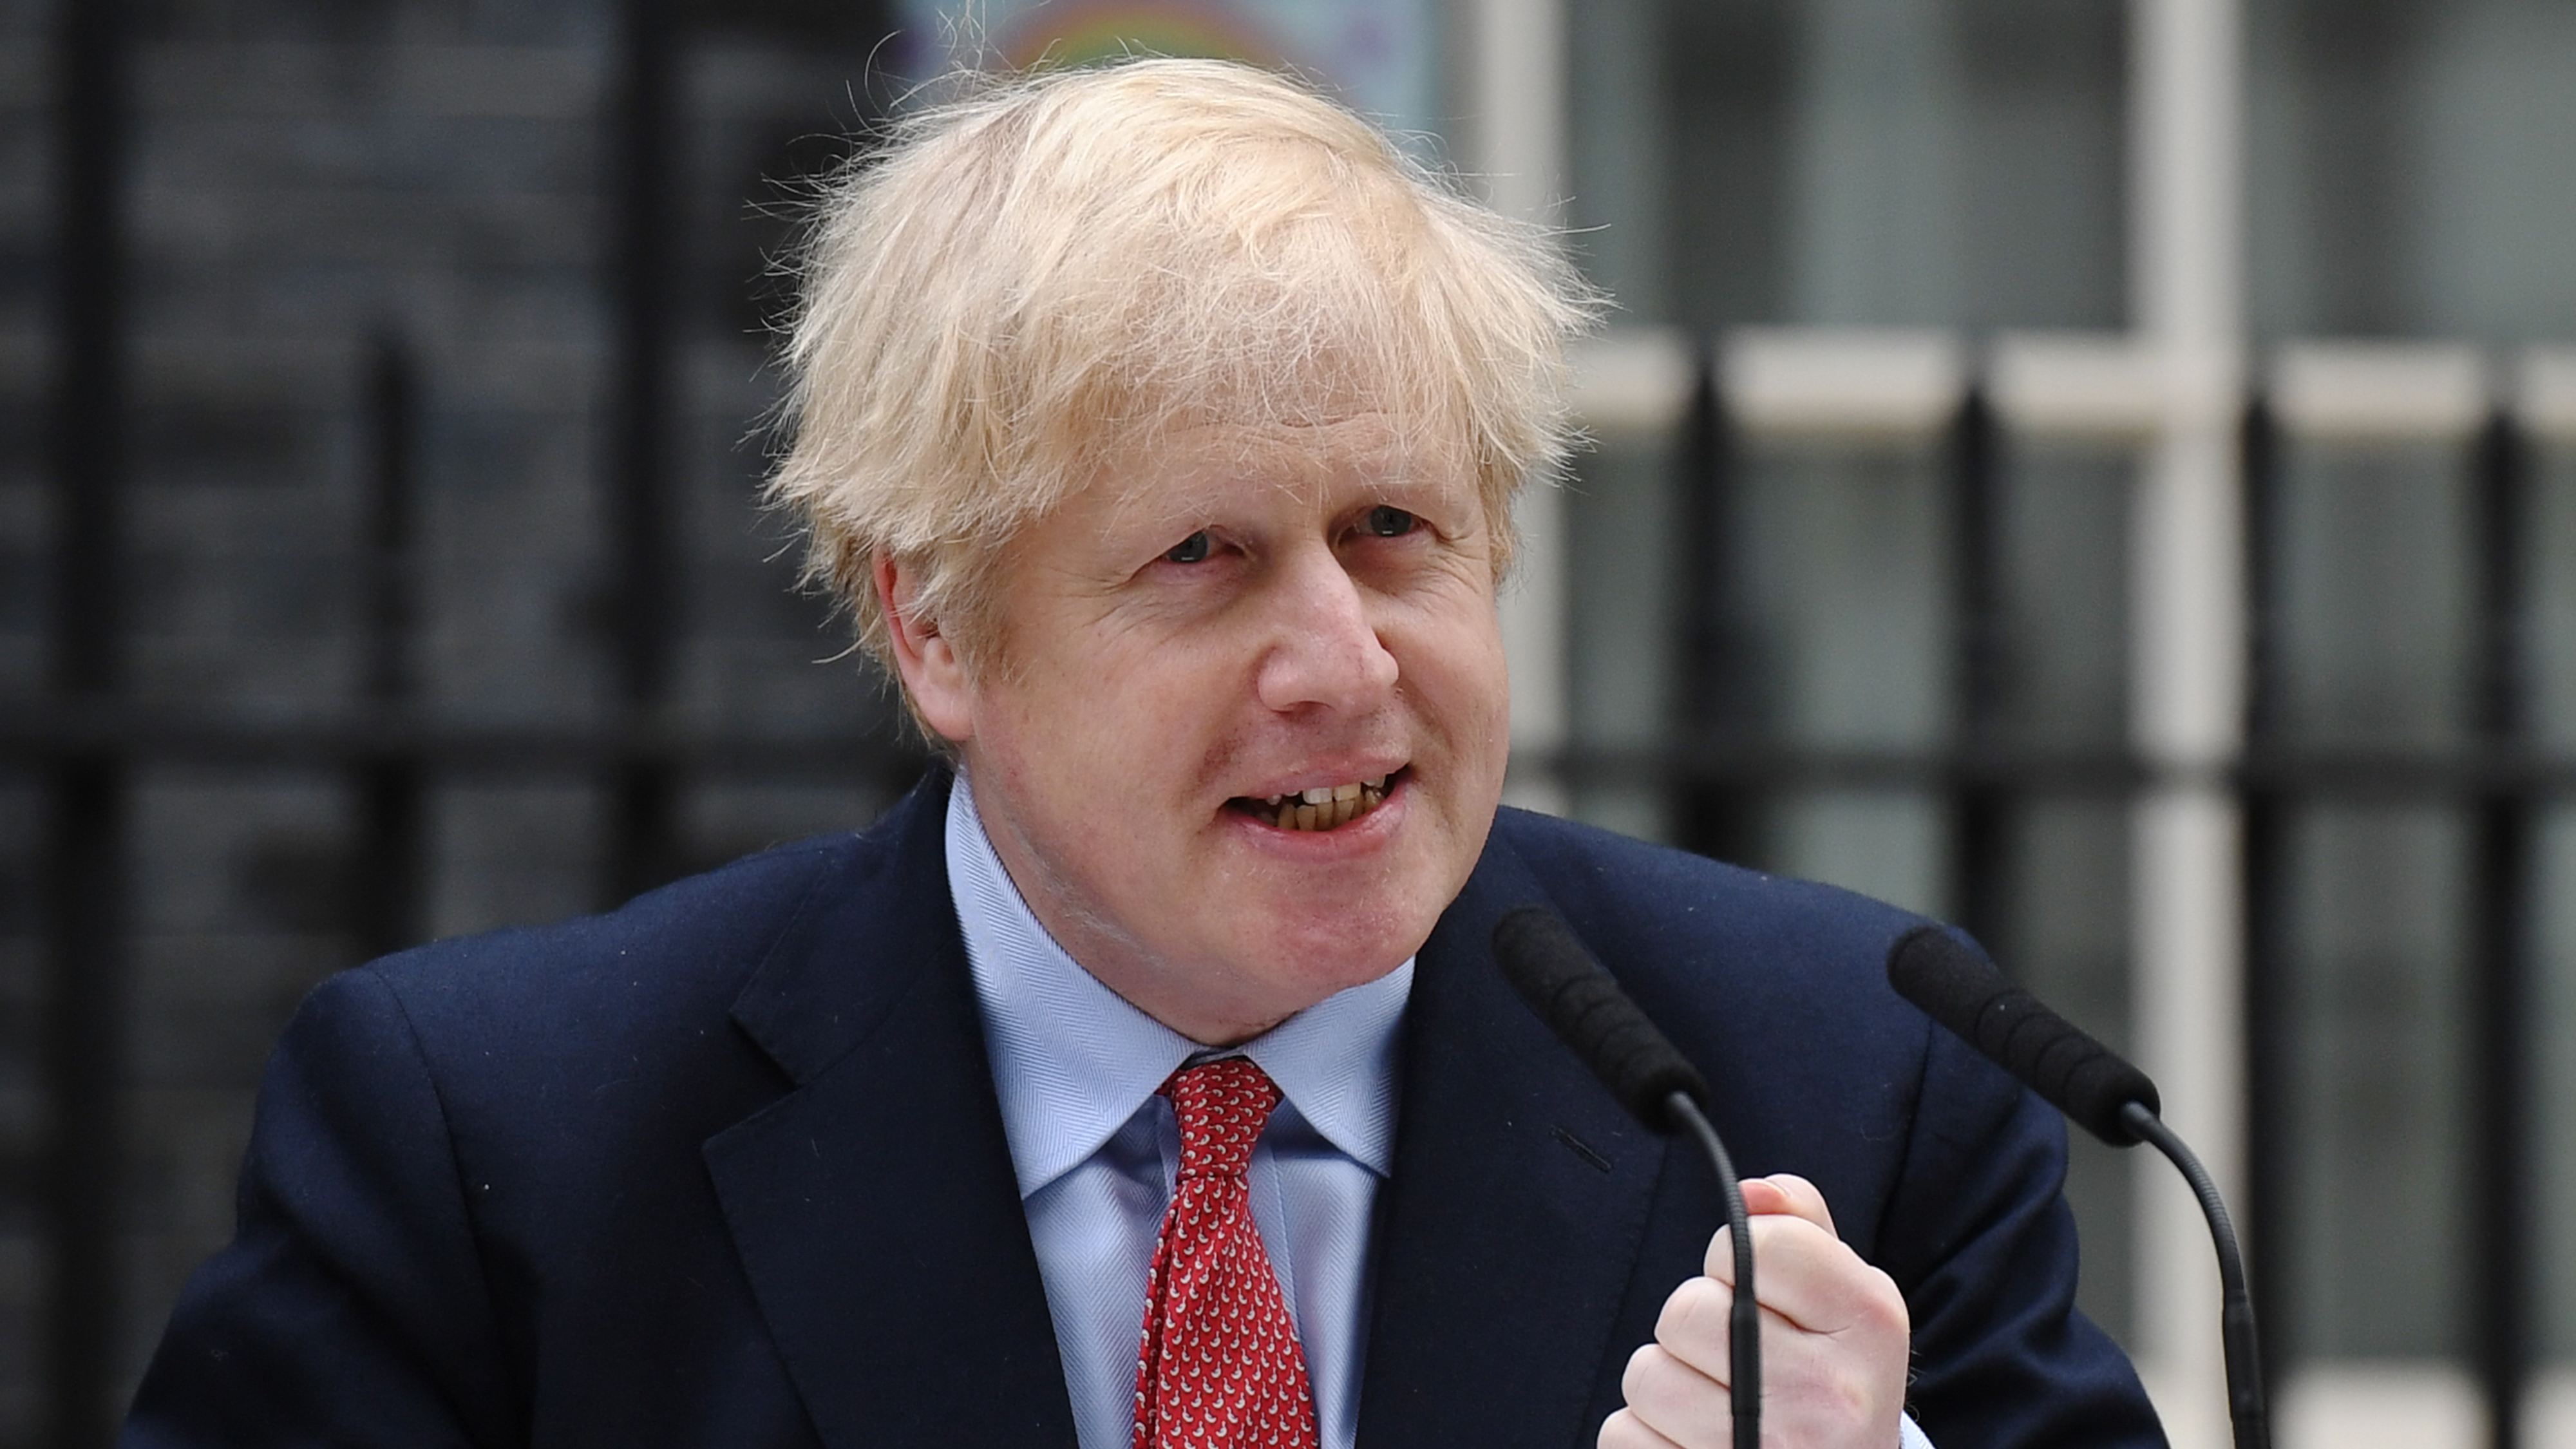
<point x="2501" y="785"/>
<point x="88" y="739"/>
<point x="83" y="879"/>
<point x="1723" y="768"/>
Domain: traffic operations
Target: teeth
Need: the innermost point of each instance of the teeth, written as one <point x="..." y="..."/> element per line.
<point x="1325" y="806"/>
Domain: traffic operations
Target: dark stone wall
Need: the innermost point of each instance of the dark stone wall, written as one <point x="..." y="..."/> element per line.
<point x="313" y="187"/>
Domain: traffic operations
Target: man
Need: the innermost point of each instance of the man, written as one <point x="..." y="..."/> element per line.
<point x="1150" y="1075"/>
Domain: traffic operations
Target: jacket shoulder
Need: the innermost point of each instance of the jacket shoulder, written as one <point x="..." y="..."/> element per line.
<point x="657" y="986"/>
<point x="686" y="947"/>
<point x="1667" y="920"/>
<point x="1776" y="989"/>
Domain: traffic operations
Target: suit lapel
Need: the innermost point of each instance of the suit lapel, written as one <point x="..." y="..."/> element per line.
<point x="1515" y="1213"/>
<point x="874" y="1207"/>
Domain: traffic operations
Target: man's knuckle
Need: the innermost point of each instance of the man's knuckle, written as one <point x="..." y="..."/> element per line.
<point x="1696" y="1311"/>
<point x="1643" y="1365"/>
<point x="1884" y="1303"/>
<point x="1622" y="1431"/>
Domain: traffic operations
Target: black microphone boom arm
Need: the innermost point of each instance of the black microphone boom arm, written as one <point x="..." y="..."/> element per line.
<point x="2087" y="1081"/>
<point x="1577" y="998"/>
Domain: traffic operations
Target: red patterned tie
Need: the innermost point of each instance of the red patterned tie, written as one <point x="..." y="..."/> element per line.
<point x="1220" y="1367"/>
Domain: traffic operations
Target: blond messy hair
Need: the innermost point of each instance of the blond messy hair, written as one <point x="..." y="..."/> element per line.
<point x="1023" y="286"/>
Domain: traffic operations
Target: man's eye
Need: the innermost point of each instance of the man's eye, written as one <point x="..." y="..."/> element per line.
<point x="1193" y="549"/>
<point x="1385" y="522"/>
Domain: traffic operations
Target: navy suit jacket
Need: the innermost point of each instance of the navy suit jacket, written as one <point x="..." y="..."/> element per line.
<point x="725" y="1167"/>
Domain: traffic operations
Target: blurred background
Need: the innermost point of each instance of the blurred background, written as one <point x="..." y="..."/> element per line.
<point x="2103" y="471"/>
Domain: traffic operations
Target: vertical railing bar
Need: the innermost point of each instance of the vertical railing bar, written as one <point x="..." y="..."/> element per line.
<point x="2265" y="808"/>
<point x="83" y="1059"/>
<point x="2505" y="1255"/>
<point x="83" y="1063"/>
<point x="643" y="792"/>
<point x="390" y="786"/>
<point x="1710" y="680"/>
<point x="391" y="418"/>
<point x="1980" y="805"/>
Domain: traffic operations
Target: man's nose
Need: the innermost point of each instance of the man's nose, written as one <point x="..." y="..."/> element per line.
<point x="1325" y="649"/>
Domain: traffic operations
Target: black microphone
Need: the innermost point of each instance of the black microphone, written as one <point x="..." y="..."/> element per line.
<point x="1972" y="997"/>
<point x="2105" y="1095"/>
<point x="1571" y="992"/>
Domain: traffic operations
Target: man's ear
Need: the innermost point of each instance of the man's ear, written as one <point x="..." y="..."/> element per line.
<point x="933" y="676"/>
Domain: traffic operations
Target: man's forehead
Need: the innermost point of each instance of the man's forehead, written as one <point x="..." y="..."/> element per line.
<point x="1195" y="462"/>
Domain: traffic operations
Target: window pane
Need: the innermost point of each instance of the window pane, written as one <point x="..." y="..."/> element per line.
<point x="2064" y="667"/>
<point x="2412" y="167"/>
<point x="2374" y="593"/>
<point x="1878" y="162"/>
<point x="1844" y="555"/>
<point x="2378" y="1073"/>
<point x="1625" y="600"/>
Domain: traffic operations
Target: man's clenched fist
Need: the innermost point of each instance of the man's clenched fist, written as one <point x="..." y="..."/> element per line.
<point x="1834" y="1341"/>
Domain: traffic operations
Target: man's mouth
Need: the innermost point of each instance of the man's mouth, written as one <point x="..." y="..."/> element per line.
<point x="1321" y="807"/>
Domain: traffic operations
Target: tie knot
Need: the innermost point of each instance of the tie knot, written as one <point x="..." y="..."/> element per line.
<point x="1222" y="1107"/>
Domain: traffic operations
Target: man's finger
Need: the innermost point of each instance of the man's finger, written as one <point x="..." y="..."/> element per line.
<point x="1781" y="1195"/>
<point x="1694" y="1327"/>
<point x="1772" y="1233"/>
<point x="1809" y="1277"/>
<point x="1787" y="1193"/>
<point x="1697" y="1329"/>
<point x="1624" y="1430"/>
<point x="1669" y="1398"/>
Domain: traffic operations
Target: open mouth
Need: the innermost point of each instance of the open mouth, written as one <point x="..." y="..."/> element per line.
<point x="1322" y="807"/>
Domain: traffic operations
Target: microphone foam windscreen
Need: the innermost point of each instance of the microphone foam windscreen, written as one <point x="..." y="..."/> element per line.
<point x="1573" y="994"/>
<point x="1972" y="997"/>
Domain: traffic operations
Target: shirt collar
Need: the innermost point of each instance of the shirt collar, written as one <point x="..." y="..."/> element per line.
<point x="1073" y="1060"/>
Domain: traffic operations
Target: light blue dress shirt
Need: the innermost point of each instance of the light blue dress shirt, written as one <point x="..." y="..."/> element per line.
<point x="1096" y="1151"/>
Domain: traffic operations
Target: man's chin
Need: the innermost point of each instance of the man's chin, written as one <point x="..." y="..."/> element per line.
<point x="1305" y="968"/>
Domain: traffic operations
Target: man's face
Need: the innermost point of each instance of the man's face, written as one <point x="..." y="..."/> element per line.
<point x="1235" y="619"/>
